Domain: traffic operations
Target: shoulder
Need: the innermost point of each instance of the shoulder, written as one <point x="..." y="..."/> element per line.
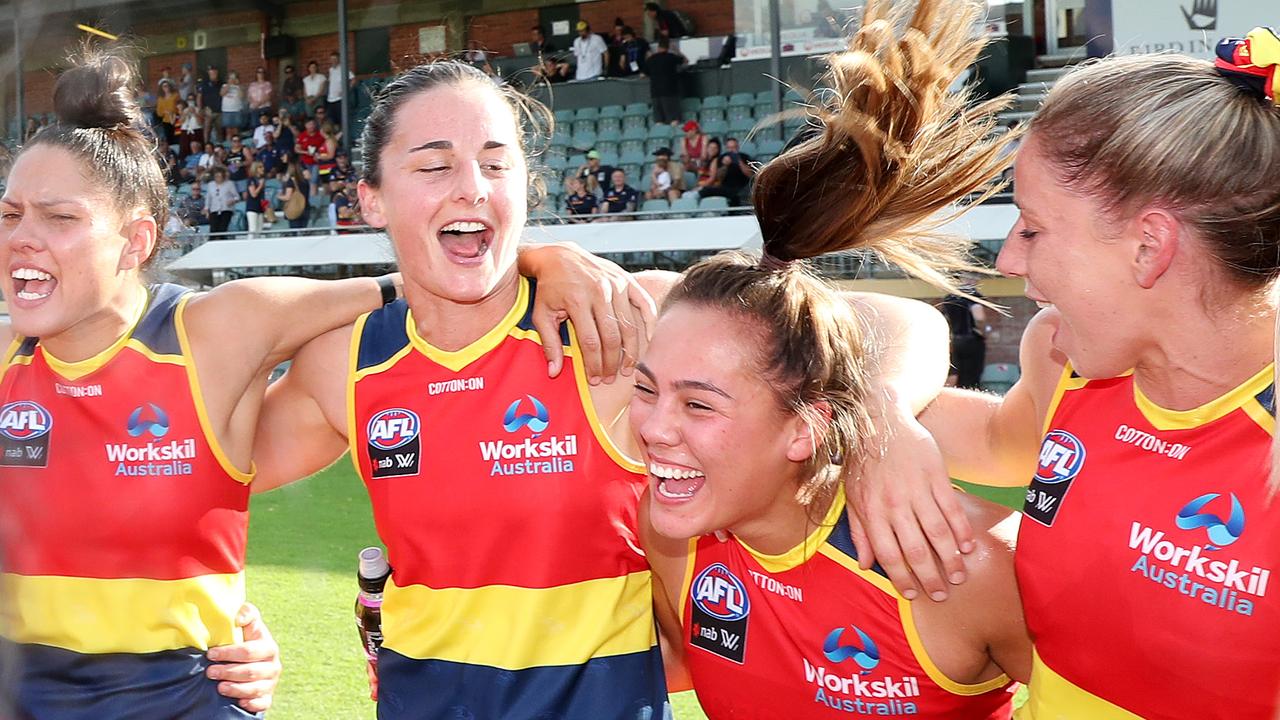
<point x="991" y="585"/>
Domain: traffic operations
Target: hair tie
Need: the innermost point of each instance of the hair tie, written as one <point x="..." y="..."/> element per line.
<point x="1252" y="63"/>
<point x="771" y="263"/>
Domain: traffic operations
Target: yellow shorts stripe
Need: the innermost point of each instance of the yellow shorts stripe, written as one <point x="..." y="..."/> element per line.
<point x="1053" y="697"/>
<point x="514" y="628"/>
<point x="130" y="615"/>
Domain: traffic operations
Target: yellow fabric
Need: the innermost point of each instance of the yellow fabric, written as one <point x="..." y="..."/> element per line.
<point x="1053" y="697"/>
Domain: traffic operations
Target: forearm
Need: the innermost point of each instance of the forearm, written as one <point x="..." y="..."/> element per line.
<point x="911" y="346"/>
<point x="968" y="427"/>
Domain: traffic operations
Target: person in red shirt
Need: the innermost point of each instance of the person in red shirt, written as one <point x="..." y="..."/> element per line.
<point x="310" y="144"/>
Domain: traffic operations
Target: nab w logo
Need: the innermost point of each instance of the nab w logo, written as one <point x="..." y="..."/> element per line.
<point x="24" y="420"/>
<point x="864" y="652"/>
<point x="1221" y="533"/>
<point x="394" y="428"/>
<point x="157" y="424"/>
<point x="1061" y="457"/>
<point x="513" y="420"/>
<point x="721" y="594"/>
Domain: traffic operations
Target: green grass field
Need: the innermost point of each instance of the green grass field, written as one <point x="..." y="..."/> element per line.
<point x="303" y="541"/>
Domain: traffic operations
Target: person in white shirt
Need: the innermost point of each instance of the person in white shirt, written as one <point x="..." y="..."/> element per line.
<point x="233" y="99"/>
<point x="590" y="50"/>
<point x="313" y="86"/>
<point x="220" y="202"/>
<point x="265" y="127"/>
<point x="337" y="88"/>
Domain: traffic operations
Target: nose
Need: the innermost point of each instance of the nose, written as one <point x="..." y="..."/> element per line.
<point x="21" y="236"/>
<point x="472" y="186"/>
<point x="656" y="424"/>
<point x="1012" y="260"/>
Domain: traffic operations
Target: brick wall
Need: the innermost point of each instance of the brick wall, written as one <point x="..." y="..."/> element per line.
<point x="37" y="91"/>
<point x="318" y="47"/>
<point x="403" y="40"/>
<point x="154" y="64"/>
<point x="496" y="32"/>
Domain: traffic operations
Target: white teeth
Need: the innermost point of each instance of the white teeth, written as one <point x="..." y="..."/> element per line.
<point x="1043" y="305"/>
<point x="671" y="473"/>
<point x="30" y="274"/>
<point x="663" y="491"/>
<point x="463" y="227"/>
<point x="24" y="295"/>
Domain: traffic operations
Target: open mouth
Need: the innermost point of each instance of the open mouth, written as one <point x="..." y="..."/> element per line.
<point x="32" y="284"/>
<point x="675" y="484"/>
<point x="466" y="241"/>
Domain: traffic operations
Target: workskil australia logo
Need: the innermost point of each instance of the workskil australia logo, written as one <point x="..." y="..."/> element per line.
<point x="535" y="453"/>
<point x="149" y="454"/>
<point x="24" y="434"/>
<point x="1199" y="570"/>
<point x="855" y="690"/>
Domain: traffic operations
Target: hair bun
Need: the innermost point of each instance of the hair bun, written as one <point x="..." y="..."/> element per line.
<point x="97" y="91"/>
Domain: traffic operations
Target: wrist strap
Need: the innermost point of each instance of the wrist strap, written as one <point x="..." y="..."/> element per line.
<point x="388" y="288"/>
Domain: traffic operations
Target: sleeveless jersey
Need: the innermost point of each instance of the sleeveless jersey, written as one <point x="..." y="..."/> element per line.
<point x="1146" y="557"/>
<point x="122" y="527"/>
<point x="810" y="634"/>
<point x="517" y="590"/>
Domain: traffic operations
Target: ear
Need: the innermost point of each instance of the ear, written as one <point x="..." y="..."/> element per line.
<point x="370" y="205"/>
<point x="140" y="235"/>
<point x="804" y="431"/>
<point x="1160" y="235"/>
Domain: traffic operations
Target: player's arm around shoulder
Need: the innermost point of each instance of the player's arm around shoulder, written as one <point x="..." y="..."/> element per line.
<point x="667" y="560"/>
<point x="993" y="440"/>
<point x="302" y="427"/>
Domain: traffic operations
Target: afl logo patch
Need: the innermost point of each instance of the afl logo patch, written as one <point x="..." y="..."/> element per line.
<point x="394" y="428"/>
<point x="721" y="594"/>
<point x="24" y="434"/>
<point x="394" y="446"/>
<point x="1061" y="457"/>
<point x="24" y="420"/>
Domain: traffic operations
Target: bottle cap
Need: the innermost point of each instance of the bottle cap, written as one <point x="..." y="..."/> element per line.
<point x="373" y="563"/>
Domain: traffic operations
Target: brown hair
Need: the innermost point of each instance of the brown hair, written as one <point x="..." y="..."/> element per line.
<point x="895" y="148"/>
<point x="99" y="122"/>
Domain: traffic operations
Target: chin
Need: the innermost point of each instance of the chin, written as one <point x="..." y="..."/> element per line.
<point x="677" y="523"/>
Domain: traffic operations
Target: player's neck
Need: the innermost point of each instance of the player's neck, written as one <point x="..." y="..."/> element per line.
<point x="785" y="523"/>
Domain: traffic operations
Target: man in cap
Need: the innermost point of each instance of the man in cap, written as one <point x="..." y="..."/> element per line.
<point x="595" y="175"/>
<point x="590" y="51"/>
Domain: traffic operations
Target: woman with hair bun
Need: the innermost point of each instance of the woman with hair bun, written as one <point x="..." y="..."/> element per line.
<point x="1145" y="415"/>
<point x="757" y="434"/>
<point x="127" y="416"/>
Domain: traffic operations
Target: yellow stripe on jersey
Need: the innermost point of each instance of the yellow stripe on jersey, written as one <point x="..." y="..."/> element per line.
<point x="690" y="564"/>
<point x="455" y="360"/>
<point x="353" y="362"/>
<point x="1260" y="415"/>
<point x="81" y="368"/>
<point x="624" y="461"/>
<point x="197" y="397"/>
<point x="514" y="628"/>
<point x="12" y="349"/>
<point x="1242" y="395"/>
<point x="1053" y="697"/>
<point x="812" y="545"/>
<point x="129" y="615"/>
<point x="1065" y="383"/>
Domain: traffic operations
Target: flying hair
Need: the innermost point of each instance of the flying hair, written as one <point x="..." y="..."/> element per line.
<point x="894" y="149"/>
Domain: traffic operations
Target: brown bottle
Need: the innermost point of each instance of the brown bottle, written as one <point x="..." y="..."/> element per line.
<point x="373" y="575"/>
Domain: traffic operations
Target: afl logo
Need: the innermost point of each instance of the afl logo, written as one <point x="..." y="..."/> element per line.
<point x="24" y="420"/>
<point x="1061" y="457"/>
<point x="720" y="594"/>
<point x="393" y="428"/>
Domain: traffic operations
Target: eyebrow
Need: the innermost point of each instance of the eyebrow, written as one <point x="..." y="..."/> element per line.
<point x="686" y="384"/>
<point x="446" y="145"/>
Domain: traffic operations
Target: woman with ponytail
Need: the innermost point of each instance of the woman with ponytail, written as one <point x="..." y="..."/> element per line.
<point x="1145" y="415"/>
<point x="758" y="433"/>
<point x="127" y="415"/>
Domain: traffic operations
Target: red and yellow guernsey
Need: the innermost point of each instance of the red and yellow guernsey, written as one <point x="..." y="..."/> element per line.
<point x="122" y="527"/>
<point x="517" y="589"/>
<point x="1147" y="555"/>
<point x="808" y="634"/>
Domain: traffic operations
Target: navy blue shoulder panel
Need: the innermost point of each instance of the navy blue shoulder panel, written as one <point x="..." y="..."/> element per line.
<point x="526" y="320"/>
<point x="27" y="348"/>
<point x="157" y="329"/>
<point x="841" y="538"/>
<point x="384" y="334"/>
<point x="1267" y="399"/>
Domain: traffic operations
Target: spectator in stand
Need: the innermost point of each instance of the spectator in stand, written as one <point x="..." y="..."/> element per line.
<point x="709" y="168"/>
<point x="187" y="83"/>
<point x="313" y="87"/>
<point x="292" y="93"/>
<point x="191" y="167"/>
<point x="260" y="132"/>
<point x="579" y="202"/>
<point x="663" y="67"/>
<point x="343" y="172"/>
<point x="237" y="146"/>
<point x="167" y="110"/>
<point x="693" y="147"/>
<point x="295" y="182"/>
<point x="346" y="206"/>
<point x="326" y="157"/>
<point x="269" y="154"/>
<point x="322" y="116"/>
<point x="613" y="47"/>
<point x="286" y="138"/>
<point x="190" y="120"/>
<point x="233" y="102"/>
<point x="172" y="170"/>
<point x="340" y="80"/>
<point x="594" y="175"/>
<point x="620" y="197"/>
<point x="666" y="180"/>
<point x="255" y="198"/>
<point x="214" y="156"/>
<point x="538" y="43"/>
<point x="165" y="77"/>
<point x="828" y="22"/>
<point x="191" y="207"/>
<point x="260" y="93"/>
<point x="734" y="176"/>
<point x="209" y="91"/>
<point x="551" y="70"/>
<point x="666" y="24"/>
<point x="478" y="57"/>
<point x="590" y="51"/>
<point x="310" y="144"/>
<point x="220" y="202"/>
<point x="631" y="53"/>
